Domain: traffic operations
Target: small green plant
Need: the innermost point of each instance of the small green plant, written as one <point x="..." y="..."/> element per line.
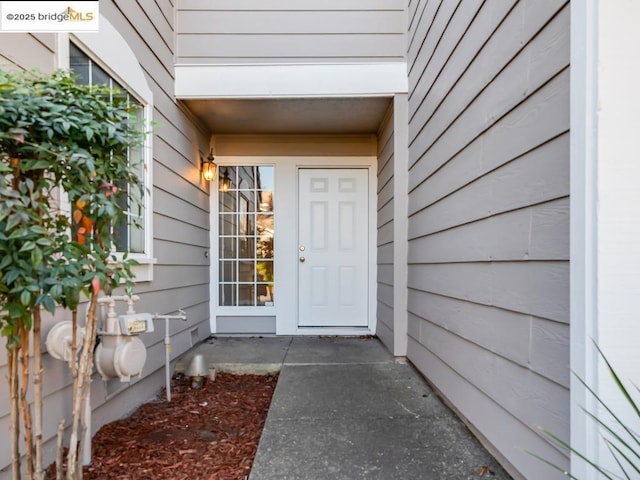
<point x="621" y="439"/>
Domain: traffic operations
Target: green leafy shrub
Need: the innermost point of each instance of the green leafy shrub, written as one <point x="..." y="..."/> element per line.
<point x="58" y="139"/>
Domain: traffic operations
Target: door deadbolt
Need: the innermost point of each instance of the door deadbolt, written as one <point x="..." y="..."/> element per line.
<point x="302" y="248"/>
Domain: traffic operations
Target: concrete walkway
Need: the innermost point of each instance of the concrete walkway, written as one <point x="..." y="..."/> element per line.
<point x="344" y="408"/>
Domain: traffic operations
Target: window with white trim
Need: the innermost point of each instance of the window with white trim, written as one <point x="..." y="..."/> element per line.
<point x="245" y="236"/>
<point x="130" y="233"/>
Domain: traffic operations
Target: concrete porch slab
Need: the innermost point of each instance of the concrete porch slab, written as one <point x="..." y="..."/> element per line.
<point x="240" y="355"/>
<point x="352" y="392"/>
<point x="320" y="350"/>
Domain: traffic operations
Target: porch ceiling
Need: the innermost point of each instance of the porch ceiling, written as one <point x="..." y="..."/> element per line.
<point x="326" y="116"/>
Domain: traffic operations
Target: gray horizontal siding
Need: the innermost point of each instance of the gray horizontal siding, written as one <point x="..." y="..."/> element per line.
<point x="536" y="288"/>
<point x="279" y="30"/>
<point x="516" y="389"/>
<point x="173" y="229"/>
<point x="464" y="396"/>
<point x="28" y="51"/>
<point x="335" y="46"/>
<point x="167" y="254"/>
<point x="385" y="228"/>
<point x="537" y="232"/>
<point x="146" y="41"/>
<point x="483" y="113"/>
<point x="288" y="5"/>
<point x="349" y="22"/>
<point x="488" y="223"/>
<point x="536" y="177"/>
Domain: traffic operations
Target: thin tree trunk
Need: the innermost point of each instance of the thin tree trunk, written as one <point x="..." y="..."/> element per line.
<point x="37" y="392"/>
<point x="91" y="325"/>
<point x="80" y="390"/>
<point x="60" y="451"/>
<point x="74" y="373"/>
<point x="15" y="412"/>
<point x="25" y="348"/>
<point x="83" y="431"/>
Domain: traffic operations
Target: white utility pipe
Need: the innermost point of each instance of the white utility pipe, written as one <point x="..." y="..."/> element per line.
<point x="167" y="346"/>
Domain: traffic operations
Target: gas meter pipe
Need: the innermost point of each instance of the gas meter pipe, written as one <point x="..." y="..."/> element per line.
<point x="167" y="346"/>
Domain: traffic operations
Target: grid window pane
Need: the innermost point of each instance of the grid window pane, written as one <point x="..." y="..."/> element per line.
<point x="227" y="179"/>
<point x="246" y="232"/>
<point x="246" y="178"/>
<point x="246" y="272"/>
<point x="264" y="223"/>
<point x="264" y="247"/>
<point x="228" y="271"/>
<point x="264" y="294"/>
<point x="246" y="247"/>
<point x="264" y="178"/>
<point x="264" y="269"/>
<point x="246" y="223"/>
<point x="228" y="201"/>
<point x="265" y="203"/>
<point x="227" y="295"/>
<point x="137" y="237"/>
<point x="228" y="247"/>
<point x="228" y="224"/>
<point x="245" y="295"/>
<point x="98" y="75"/>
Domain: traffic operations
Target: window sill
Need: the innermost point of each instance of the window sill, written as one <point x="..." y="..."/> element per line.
<point x="143" y="272"/>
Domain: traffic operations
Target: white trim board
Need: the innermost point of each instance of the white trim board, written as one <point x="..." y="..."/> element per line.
<point x="605" y="206"/>
<point x="583" y="245"/>
<point x="304" y="80"/>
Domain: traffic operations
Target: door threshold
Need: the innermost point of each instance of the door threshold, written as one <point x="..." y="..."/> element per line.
<point x="335" y="331"/>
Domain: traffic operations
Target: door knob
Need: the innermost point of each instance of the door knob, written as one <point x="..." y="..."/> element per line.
<point x="302" y="259"/>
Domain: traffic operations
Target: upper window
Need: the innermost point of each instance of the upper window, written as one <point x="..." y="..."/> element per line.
<point x="245" y="229"/>
<point x="130" y="232"/>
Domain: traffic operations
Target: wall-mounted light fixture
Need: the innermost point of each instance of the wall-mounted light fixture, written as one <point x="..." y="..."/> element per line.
<point x="225" y="181"/>
<point x="208" y="167"/>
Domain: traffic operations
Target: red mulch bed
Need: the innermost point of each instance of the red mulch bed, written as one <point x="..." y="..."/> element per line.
<point x="209" y="433"/>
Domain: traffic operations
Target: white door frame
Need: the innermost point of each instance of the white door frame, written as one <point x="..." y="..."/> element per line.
<point x="286" y="243"/>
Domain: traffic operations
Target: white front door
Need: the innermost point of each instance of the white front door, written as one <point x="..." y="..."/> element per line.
<point x="333" y="239"/>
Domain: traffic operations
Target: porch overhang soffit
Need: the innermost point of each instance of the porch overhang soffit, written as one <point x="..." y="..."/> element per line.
<point x="291" y="99"/>
<point x="281" y="81"/>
